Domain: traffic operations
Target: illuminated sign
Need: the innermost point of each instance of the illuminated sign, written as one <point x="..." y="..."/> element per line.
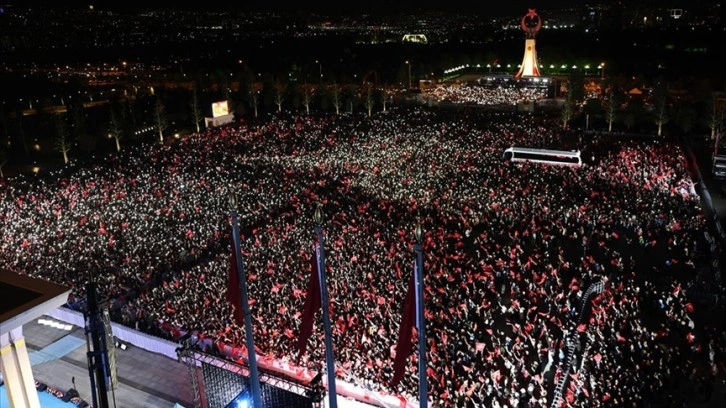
<point x="220" y="109"/>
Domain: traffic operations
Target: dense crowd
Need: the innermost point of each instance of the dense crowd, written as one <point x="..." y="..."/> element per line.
<point x="485" y="94"/>
<point x="510" y="248"/>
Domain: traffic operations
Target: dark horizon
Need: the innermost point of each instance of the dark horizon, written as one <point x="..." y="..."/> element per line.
<point x="371" y="6"/>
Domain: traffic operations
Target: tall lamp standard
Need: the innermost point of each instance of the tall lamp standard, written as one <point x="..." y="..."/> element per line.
<point x="98" y="364"/>
<point x="602" y="70"/>
<point x="409" y="73"/>
<point x="320" y="69"/>
<point x="251" y="357"/>
<point x="320" y="259"/>
<point x="420" y="319"/>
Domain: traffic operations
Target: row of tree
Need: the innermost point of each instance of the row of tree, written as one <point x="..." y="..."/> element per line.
<point x="131" y="115"/>
<point x="649" y="110"/>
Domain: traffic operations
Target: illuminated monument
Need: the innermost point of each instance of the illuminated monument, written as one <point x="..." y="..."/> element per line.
<point x="531" y="23"/>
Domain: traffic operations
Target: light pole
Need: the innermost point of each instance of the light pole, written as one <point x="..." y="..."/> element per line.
<point x="320" y="259"/>
<point x="602" y="70"/>
<point x="251" y="356"/>
<point x="98" y="364"/>
<point x="409" y="73"/>
<point x="420" y="318"/>
<point x="320" y="68"/>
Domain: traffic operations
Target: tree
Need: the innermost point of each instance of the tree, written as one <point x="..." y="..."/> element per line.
<point x="63" y="142"/>
<point x="369" y="102"/>
<point x="567" y="109"/>
<point x="160" y="120"/>
<point x="3" y="160"/>
<point x="661" y="115"/>
<point x="115" y="129"/>
<point x="660" y="102"/>
<point x="337" y="100"/>
<point x="279" y="95"/>
<point x="307" y="97"/>
<point x="349" y="94"/>
<point x="716" y="117"/>
<point x="612" y="109"/>
<point x="196" y="111"/>
<point x="384" y="97"/>
<point x="255" y="100"/>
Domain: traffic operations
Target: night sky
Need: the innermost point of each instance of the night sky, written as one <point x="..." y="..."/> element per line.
<point x="499" y="7"/>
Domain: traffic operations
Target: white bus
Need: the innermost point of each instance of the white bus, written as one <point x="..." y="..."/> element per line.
<point x="719" y="167"/>
<point x="564" y="157"/>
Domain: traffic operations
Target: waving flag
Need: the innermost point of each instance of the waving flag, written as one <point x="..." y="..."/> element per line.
<point x="313" y="303"/>
<point x="403" y="347"/>
<point x="234" y="291"/>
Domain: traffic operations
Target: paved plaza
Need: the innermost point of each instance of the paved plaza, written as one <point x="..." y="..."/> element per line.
<point x="148" y="379"/>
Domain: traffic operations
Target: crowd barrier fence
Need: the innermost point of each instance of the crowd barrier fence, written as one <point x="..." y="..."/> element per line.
<point x="572" y="339"/>
<point x="169" y="349"/>
<point x="705" y="195"/>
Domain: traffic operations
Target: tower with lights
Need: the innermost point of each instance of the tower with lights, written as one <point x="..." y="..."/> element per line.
<point x="531" y="23"/>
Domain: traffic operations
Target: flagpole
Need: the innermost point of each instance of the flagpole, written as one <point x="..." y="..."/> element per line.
<point x="420" y="321"/>
<point x="251" y="358"/>
<point x="320" y="258"/>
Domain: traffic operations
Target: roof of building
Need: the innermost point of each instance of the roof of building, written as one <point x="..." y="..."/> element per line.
<point x="25" y="298"/>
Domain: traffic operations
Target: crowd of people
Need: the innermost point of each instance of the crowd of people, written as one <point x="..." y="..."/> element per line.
<point x="509" y="248"/>
<point x="485" y="94"/>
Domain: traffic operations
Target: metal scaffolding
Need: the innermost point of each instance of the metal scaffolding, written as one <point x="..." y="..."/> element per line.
<point x="211" y="376"/>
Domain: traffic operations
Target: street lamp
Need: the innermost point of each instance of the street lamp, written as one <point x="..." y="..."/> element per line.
<point x="409" y="73"/>
<point x="602" y="70"/>
<point x="320" y="68"/>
